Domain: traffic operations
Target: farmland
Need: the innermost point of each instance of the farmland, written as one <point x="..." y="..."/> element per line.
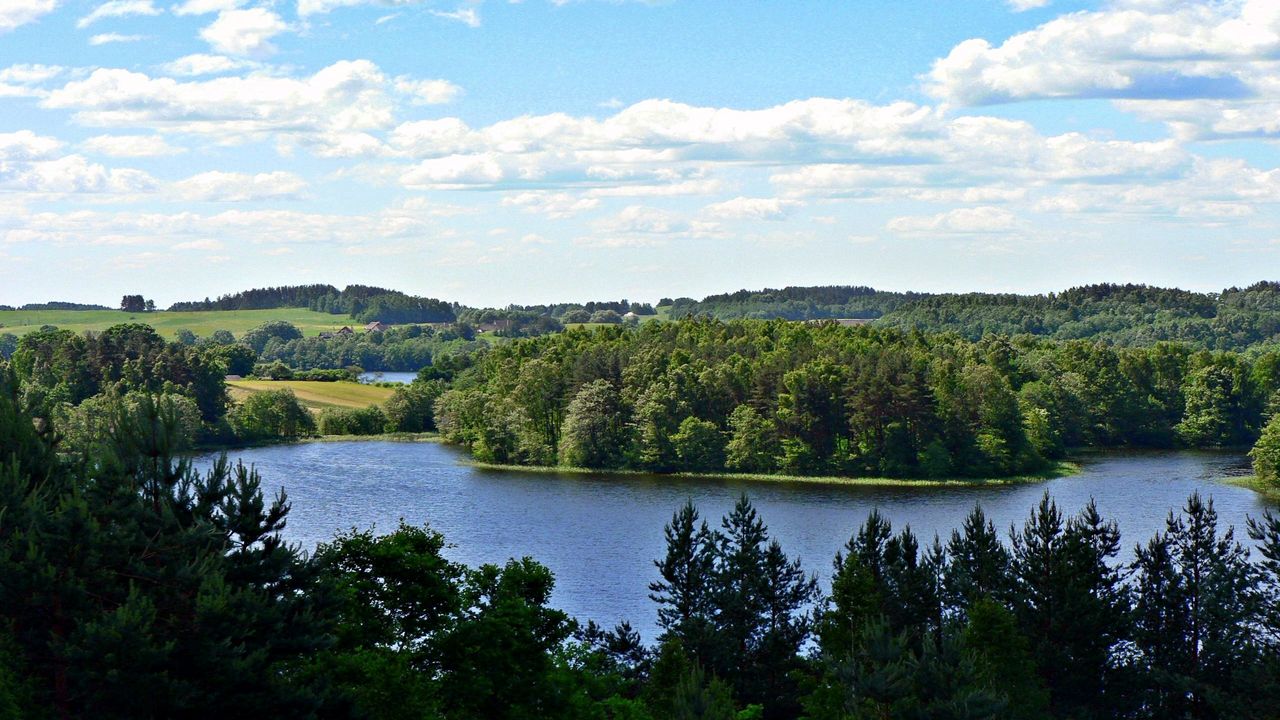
<point x="203" y="324"/>
<point x="316" y="395"/>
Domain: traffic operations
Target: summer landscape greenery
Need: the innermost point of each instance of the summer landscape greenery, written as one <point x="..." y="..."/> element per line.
<point x="135" y="585"/>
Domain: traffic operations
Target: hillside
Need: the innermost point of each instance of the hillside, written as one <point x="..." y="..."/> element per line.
<point x="167" y="323"/>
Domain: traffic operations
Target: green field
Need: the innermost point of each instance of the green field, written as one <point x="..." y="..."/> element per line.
<point x="316" y="395"/>
<point x="20" y="322"/>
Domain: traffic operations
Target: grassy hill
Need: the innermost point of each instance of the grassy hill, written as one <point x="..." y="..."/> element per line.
<point x="316" y="395"/>
<point x="20" y="322"/>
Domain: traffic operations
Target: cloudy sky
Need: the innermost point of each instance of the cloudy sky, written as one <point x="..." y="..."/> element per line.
<point x="495" y="151"/>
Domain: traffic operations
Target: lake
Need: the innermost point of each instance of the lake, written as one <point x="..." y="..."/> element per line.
<point x="600" y="534"/>
<point x="403" y="378"/>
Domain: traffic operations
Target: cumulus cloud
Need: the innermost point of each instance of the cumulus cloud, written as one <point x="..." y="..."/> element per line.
<point x="244" y="32"/>
<point x="16" y="13"/>
<point x="204" y="64"/>
<point x="344" y="97"/>
<point x="118" y="8"/>
<point x="26" y="80"/>
<point x="555" y="205"/>
<point x="959" y="221"/>
<point x="747" y="208"/>
<point x="205" y="7"/>
<point x="428" y="92"/>
<point x="1024" y="5"/>
<point x="106" y="38"/>
<point x="26" y="146"/>
<point x="130" y="146"/>
<point x="1209" y="69"/>
<point x="72" y="174"/>
<point x="217" y="186"/>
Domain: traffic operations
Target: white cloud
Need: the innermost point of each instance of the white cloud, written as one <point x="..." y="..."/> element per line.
<point x="106" y="38"/>
<point x="747" y="208"/>
<point x="454" y="171"/>
<point x="205" y="7"/>
<point x="16" y="13"/>
<point x="244" y="32"/>
<point x="959" y="221"/>
<point x="1209" y="69"/>
<point x="466" y="15"/>
<point x="1024" y="5"/>
<point x="26" y="80"/>
<point x="642" y="220"/>
<point x="203" y="64"/>
<point x="428" y="92"/>
<point x="26" y="146"/>
<point x="217" y="186"/>
<point x="555" y="205"/>
<point x="119" y="8"/>
<point x="130" y="146"/>
<point x="348" y="96"/>
<point x="72" y="174"/>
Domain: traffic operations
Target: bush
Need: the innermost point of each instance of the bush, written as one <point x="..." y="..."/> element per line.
<point x="412" y="407"/>
<point x="271" y="414"/>
<point x="1266" y="453"/>
<point x="352" y="421"/>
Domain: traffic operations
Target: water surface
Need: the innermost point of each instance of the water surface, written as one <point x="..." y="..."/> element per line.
<point x="600" y="534"/>
<point x="403" y="378"/>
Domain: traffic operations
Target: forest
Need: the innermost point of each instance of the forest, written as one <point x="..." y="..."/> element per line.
<point x="752" y="396"/>
<point x="1121" y="314"/>
<point x="136" y="586"/>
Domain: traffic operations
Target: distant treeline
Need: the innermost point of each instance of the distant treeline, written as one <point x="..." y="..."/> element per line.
<point x="813" y="399"/>
<point x="1123" y="314"/>
<point x="55" y="305"/>
<point x="362" y="303"/>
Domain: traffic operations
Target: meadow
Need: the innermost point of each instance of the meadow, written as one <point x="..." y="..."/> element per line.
<point x="203" y="323"/>
<point x="316" y="395"/>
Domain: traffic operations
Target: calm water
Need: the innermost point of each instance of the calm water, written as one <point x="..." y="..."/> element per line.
<point x="600" y="535"/>
<point x="404" y="378"/>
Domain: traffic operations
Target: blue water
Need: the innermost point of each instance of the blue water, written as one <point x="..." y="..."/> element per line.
<point x="404" y="378"/>
<point x="600" y="534"/>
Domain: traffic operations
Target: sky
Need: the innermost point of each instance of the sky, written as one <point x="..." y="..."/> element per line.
<point x="503" y="151"/>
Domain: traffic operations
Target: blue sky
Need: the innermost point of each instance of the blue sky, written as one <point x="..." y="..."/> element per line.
<point x="493" y="152"/>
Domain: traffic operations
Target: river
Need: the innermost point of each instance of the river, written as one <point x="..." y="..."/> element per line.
<point x="600" y="534"/>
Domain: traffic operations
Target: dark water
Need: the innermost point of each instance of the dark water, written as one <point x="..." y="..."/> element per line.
<point x="404" y="378"/>
<point x="600" y="534"/>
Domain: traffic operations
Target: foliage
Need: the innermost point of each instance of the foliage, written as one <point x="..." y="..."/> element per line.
<point x="352" y="421"/>
<point x="771" y="396"/>
<point x="1266" y="453"/>
<point x="271" y="414"/>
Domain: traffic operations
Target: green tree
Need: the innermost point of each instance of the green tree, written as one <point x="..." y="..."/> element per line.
<point x="753" y="444"/>
<point x="271" y="414"/>
<point x="699" y="445"/>
<point x="1266" y="453"/>
<point x="593" y="434"/>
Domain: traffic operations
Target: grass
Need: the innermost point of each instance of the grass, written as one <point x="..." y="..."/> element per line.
<point x="1057" y="470"/>
<point x="316" y="395"/>
<point x="1251" y="482"/>
<point x="20" y="322"/>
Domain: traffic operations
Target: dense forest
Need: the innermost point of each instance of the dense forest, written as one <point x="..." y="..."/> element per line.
<point x="1122" y="314"/>
<point x="135" y="586"/>
<point x="804" y="399"/>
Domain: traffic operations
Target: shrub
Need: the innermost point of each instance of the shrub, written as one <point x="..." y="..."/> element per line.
<point x="352" y="421"/>
<point x="271" y="414"/>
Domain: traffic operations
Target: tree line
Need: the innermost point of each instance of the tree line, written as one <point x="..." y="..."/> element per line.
<point x="781" y="397"/>
<point x="136" y="586"/>
<point x="1235" y="318"/>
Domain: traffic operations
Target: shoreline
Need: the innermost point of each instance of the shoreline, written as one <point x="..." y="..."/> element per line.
<point x="1062" y="468"/>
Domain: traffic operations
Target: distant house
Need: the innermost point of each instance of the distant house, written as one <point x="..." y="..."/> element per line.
<point x="326" y="336"/>
<point x="374" y="326"/>
<point x="854" y="322"/>
<point x="345" y="331"/>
